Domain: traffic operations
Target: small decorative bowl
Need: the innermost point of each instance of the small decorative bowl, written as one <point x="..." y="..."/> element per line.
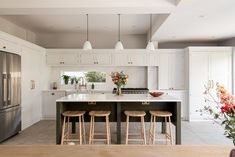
<point x="156" y="94"/>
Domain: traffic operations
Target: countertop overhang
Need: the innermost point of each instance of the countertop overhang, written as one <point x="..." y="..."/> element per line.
<point x="117" y="98"/>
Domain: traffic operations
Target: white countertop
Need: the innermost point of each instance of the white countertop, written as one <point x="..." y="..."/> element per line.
<point x="115" y="98"/>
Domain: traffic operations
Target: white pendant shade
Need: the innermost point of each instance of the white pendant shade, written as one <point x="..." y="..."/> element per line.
<point x="87" y="46"/>
<point x="119" y="46"/>
<point x="150" y="46"/>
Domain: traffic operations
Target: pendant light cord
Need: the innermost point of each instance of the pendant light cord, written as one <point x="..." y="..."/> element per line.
<point x="87" y="27"/>
<point x="150" y="38"/>
<point x="119" y="32"/>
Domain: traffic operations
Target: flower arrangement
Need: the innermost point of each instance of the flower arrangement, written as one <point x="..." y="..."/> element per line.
<point x="119" y="79"/>
<point x="221" y="105"/>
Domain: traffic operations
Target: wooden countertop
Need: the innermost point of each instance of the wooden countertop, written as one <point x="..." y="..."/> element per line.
<point x="115" y="98"/>
<point x="115" y="151"/>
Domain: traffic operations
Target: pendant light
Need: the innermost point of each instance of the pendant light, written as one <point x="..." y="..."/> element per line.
<point x="119" y="45"/>
<point x="150" y="45"/>
<point x="87" y="44"/>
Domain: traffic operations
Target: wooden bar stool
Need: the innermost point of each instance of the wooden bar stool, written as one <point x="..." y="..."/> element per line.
<point x="66" y="129"/>
<point x="94" y="114"/>
<point x="152" y="131"/>
<point x="141" y="115"/>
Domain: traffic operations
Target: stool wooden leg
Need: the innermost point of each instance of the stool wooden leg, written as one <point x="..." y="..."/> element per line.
<point x="68" y="129"/>
<point x="107" y="129"/>
<point x="84" y="129"/>
<point x="127" y="128"/>
<point x="143" y="130"/>
<point x="150" y="130"/>
<point x="90" y="133"/>
<point x="93" y="130"/>
<point x="80" y="130"/>
<point x="154" y="129"/>
<point x="63" y="131"/>
<point x="166" y="129"/>
<point x="170" y="130"/>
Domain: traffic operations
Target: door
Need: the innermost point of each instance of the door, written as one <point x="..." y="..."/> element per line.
<point x="14" y="80"/>
<point x="87" y="59"/>
<point x="164" y="71"/>
<point x="137" y="59"/>
<point x="10" y="120"/>
<point x="177" y="66"/>
<point x="198" y="74"/>
<point x="3" y="80"/>
<point x="102" y="59"/>
<point x="220" y="68"/>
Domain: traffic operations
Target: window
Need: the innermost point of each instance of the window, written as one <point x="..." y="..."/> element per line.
<point x="88" y="76"/>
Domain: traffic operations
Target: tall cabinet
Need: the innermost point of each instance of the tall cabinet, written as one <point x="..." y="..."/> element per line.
<point x="204" y="64"/>
<point x="171" y="69"/>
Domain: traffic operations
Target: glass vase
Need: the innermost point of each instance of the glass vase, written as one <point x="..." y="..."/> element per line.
<point x="119" y="90"/>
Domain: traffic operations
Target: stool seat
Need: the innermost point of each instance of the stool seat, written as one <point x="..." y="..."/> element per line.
<point x="135" y="113"/>
<point x="160" y="113"/>
<point x="99" y="113"/>
<point x="73" y="113"/>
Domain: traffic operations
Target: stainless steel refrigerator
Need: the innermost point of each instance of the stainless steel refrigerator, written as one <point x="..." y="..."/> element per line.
<point x="10" y="95"/>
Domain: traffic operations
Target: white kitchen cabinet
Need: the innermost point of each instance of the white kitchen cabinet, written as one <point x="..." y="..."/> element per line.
<point x="95" y="58"/>
<point x="130" y="59"/>
<point x="49" y="103"/>
<point x="153" y="59"/>
<point x="172" y="70"/>
<point x="62" y="59"/>
<point x="9" y="46"/>
<point x="206" y="64"/>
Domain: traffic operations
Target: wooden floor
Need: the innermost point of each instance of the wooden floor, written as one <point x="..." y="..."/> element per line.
<point x="115" y="151"/>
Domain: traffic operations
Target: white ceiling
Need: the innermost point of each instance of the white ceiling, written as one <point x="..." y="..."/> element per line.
<point x="190" y="20"/>
<point x="130" y="24"/>
<point x="199" y="20"/>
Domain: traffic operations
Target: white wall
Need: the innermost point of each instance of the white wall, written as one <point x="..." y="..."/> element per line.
<point x="98" y="41"/>
<point x="15" y="30"/>
<point x="137" y="76"/>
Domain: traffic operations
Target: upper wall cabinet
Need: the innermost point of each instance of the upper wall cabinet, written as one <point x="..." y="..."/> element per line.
<point x="171" y="69"/>
<point x="130" y="58"/>
<point x="95" y="58"/>
<point x="59" y="59"/>
<point x="62" y="57"/>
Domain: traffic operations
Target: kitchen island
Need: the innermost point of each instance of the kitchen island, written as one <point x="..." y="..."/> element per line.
<point x="117" y="105"/>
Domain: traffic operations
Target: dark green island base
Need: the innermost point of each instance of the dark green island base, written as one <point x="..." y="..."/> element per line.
<point x="117" y="109"/>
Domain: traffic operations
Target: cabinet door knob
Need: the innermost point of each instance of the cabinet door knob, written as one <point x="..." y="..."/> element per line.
<point x="52" y="93"/>
<point x="4" y="47"/>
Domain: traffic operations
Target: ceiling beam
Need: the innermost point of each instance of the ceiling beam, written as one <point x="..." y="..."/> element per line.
<point x="29" y="7"/>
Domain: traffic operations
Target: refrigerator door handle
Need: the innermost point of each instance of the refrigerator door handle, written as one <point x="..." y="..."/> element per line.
<point x="4" y="76"/>
<point x="9" y="89"/>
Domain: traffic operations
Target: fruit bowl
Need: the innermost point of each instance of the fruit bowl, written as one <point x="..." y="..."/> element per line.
<point x="156" y="94"/>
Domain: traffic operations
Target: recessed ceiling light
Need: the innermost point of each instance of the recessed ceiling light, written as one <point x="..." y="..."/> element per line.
<point x="201" y="16"/>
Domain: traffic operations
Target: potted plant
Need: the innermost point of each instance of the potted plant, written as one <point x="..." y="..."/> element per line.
<point x="72" y="80"/>
<point x="66" y="79"/>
